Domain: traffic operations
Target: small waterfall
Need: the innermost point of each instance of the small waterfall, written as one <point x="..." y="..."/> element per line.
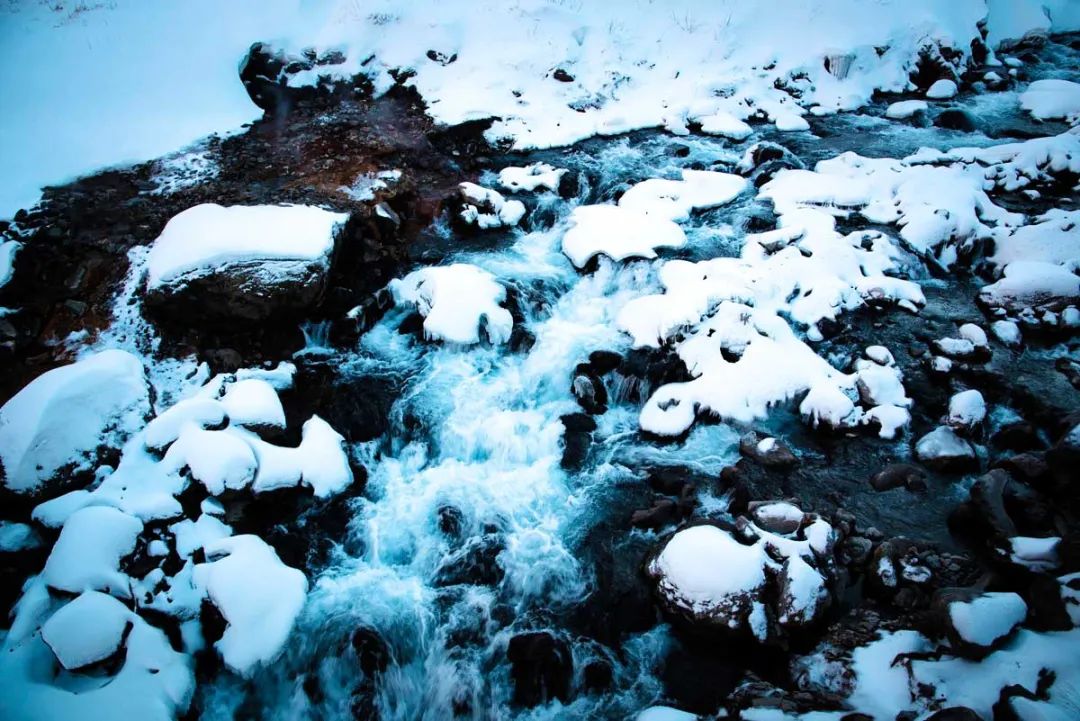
<point x="316" y="339"/>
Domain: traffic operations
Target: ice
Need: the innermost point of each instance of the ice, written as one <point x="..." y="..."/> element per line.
<point x="61" y="419"/>
<point x="207" y="238"/>
<point x="988" y="617"/>
<point x="89" y="629"/>
<point x="1051" y="99"/>
<point x="86" y="556"/>
<point x="531" y="177"/>
<point x="618" y="232"/>
<point x="259" y="596"/>
<point x="460" y="303"/>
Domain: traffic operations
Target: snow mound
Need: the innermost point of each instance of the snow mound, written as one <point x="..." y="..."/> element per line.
<point x="1052" y="99"/>
<point x="676" y="199"/>
<point x="1034" y="286"/>
<point x="905" y="109"/>
<point x="258" y="595"/>
<point x="86" y="556"/>
<point x="282" y="241"/>
<point x="60" y="420"/>
<point x="618" y="232"/>
<point x="531" y="177"/>
<point x="942" y="448"/>
<point x="87" y="630"/>
<point x="486" y="208"/>
<point x="253" y="402"/>
<point x="986" y="618"/>
<point x="942" y="89"/>
<point x="1053" y="238"/>
<point x="460" y="303"/>
<point x="966" y="409"/>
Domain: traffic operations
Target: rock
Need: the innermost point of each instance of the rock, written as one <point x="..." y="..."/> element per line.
<point x="604" y="361"/>
<point x="987" y="499"/>
<point x="597" y="676"/>
<point x="576" y="439"/>
<point x="776" y="517"/>
<point x="562" y="76"/>
<point x="942" y="89"/>
<point x="855" y="550"/>
<point x="956" y="119"/>
<point x="475" y="563"/>
<point x="663" y="512"/>
<point x="1017" y="436"/>
<point x="954" y="713"/>
<point x="87" y="631"/>
<point x="967" y="409"/>
<point x="976" y="622"/>
<point x="942" y="450"/>
<point x="589" y="391"/>
<point x="541" y="666"/>
<point x="769" y="452"/>
<point x="1030" y="468"/>
<point x="899" y="475"/>
<point x="372" y="653"/>
<point x="55" y="430"/>
<point x="213" y="264"/>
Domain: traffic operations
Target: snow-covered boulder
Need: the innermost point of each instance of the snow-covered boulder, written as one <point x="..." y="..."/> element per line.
<point x="16" y="537"/>
<point x="769" y="452"/>
<point x="55" y="426"/>
<point x="942" y="89"/>
<point x="1007" y="331"/>
<point x="254" y="403"/>
<point x="87" y="630"/>
<point x="943" y="450"/>
<point x="258" y="595"/>
<point x="531" y="177"/>
<point x="484" y="208"/>
<point x="976" y="622"/>
<point x="460" y="303"/>
<point x="1032" y="286"/>
<point x="967" y="409"/>
<point x="676" y="199"/>
<point x="213" y="262"/>
<point x="1052" y="99"/>
<point x="618" y="232"/>
<point x="86" y="556"/>
<point x="905" y="109"/>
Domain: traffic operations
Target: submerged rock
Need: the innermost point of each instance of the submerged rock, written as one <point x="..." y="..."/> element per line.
<point x="541" y="666"/>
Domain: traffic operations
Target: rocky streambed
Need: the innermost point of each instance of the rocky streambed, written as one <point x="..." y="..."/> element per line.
<point x="760" y="438"/>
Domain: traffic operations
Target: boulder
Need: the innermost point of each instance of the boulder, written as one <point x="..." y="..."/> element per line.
<point x="899" y="475"/>
<point x="976" y="622"/>
<point x="768" y="451"/>
<point x="541" y="666"/>
<point x="943" y="450"/>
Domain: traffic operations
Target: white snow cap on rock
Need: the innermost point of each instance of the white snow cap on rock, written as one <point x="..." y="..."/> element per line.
<point x="486" y="208"/>
<point x="942" y="89"/>
<point x="905" y="109"/>
<point x="943" y="443"/>
<point x="86" y="556"/>
<point x="458" y="302"/>
<point x="63" y="416"/>
<point x="966" y="409"/>
<point x="204" y="238"/>
<point x="253" y="402"/>
<point x="1052" y="99"/>
<point x="988" y="617"/>
<point x="87" y="630"/>
<point x="618" y="232"/>
<point x="676" y="199"/>
<point x="531" y="177"/>
<point x="259" y="596"/>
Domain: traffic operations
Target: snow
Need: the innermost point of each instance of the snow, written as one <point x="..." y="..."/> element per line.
<point x="942" y="442"/>
<point x="89" y="629"/>
<point x="220" y="460"/>
<point x="253" y="402"/>
<point x="676" y="199"/>
<point x="195" y="535"/>
<point x="664" y="713"/>
<point x="903" y="109"/>
<point x="703" y="567"/>
<point x="460" y="303"/>
<point x="531" y="177"/>
<point x="8" y="250"/>
<point x="1006" y="331"/>
<point x="207" y="238"/>
<point x="966" y="409"/>
<point x="985" y="619"/>
<point x="882" y="687"/>
<point x="486" y="208"/>
<point x="973" y="334"/>
<point x="1030" y="283"/>
<point x="1052" y="99"/>
<point x="63" y="416"/>
<point x="86" y="556"/>
<point x="1037" y="553"/>
<point x="942" y="89"/>
<point x="16" y="537"/>
<point x="1053" y="238"/>
<point x="725" y="124"/>
<point x="258" y="595"/>
<point x="197" y="412"/>
<point x="618" y="232"/>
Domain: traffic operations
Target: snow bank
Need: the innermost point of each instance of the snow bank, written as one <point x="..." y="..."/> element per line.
<point x="460" y="303"/>
<point x="259" y="596"/>
<point x="675" y="199"/>
<point x="208" y="238"/>
<point x="1052" y="99"/>
<point x="60" y="420"/>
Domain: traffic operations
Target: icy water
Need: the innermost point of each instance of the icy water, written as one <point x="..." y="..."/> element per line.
<point x="470" y="530"/>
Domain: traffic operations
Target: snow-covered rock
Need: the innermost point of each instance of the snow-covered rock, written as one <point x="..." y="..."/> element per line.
<point x="87" y="630"/>
<point x="258" y="595"/>
<point x="56" y="424"/>
<point x="1051" y="99"/>
<point x="905" y="109"/>
<point x="1007" y="331"/>
<point x="942" y="449"/>
<point x="86" y="556"/>
<point x="676" y="199"/>
<point x="942" y="89"/>
<point x="967" y="409"/>
<point x="1034" y="286"/>
<point x="531" y="177"/>
<point x="254" y="403"/>
<point x="460" y="303"/>
<point x="241" y="262"/>
<point x="618" y="232"/>
<point x="983" y="620"/>
<point x="486" y="208"/>
<point x="220" y="460"/>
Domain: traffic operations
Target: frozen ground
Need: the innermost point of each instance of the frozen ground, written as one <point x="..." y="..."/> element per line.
<point x="516" y="491"/>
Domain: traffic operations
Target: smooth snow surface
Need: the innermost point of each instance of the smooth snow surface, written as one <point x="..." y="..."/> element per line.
<point x="1050" y="99"/>
<point x="703" y="566"/>
<point x="618" y="232"/>
<point x="86" y="556"/>
<point x="985" y="619"/>
<point x="204" y="239"/>
<point x="87" y="630"/>
<point x="64" y="416"/>
<point x="460" y="303"/>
